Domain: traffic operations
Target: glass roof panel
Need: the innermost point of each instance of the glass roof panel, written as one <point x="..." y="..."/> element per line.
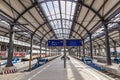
<point x="61" y="13"/>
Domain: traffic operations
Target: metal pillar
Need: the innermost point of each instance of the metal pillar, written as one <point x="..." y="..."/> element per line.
<point x="40" y="48"/>
<point x="10" y="50"/>
<point x="79" y="52"/>
<point x="69" y="51"/>
<point x="0" y="48"/>
<point x="91" y="52"/>
<point x="87" y="50"/>
<point x="115" y="50"/>
<point x="83" y="49"/>
<point x="49" y="50"/>
<point x="95" y="50"/>
<point x="119" y="34"/>
<point x="64" y="53"/>
<point x="107" y="45"/>
<point x="99" y="50"/>
<point x="45" y="50"/>
<point x="31" y="48"/>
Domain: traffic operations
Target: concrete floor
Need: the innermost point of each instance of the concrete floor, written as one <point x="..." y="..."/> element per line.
<point x="75" y="70"/>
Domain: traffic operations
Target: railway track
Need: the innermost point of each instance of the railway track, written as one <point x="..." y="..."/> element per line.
<point x="116" y="77"/>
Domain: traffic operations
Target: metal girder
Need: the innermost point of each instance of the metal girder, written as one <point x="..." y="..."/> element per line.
<point x="116" y="27"/>
<point x="72" y="36"/>
<point x="49" y="0"/>
<point x="111" y="10"/>
<point x="19" y="14"/>
<point x="55" y="0"/>
<point x="75" y="16"/>
<point x="93" y="10"/>
<point x="80" y="2"/>
<point x="114" y="14"/>
<point x="103" y="41"/>
<point x="53" y="35"/>
<point x="86" y="16"/>
<point x="110" y="17"/>
<point x="33" y="5"/>
<point x="46" y="19"/>
<point x="19" y="31"/>
<point x="87" y="11"/>
<point x="96" y="43"/>
<point x="3" y="31"/>
<point x="29" y="12"/>
<point x="90" y="8"/>
<point x="60" y="15"/>
<point x="36" y="4"/>
<point x="59" y="19"/>
<point x="4" y="18"/>
<point x="95" y="15"/>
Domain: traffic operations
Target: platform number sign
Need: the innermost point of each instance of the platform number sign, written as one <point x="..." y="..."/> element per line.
<point x="55" y="42"/>
<point x="69" y="42"/>
<point x="73" y="42"/>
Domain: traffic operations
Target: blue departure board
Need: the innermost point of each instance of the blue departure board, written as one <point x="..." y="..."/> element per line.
<point x="73" y="43"/>
<point x="55" y="42"/>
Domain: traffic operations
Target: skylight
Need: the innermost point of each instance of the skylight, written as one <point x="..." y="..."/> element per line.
<point x="61" y="14"/>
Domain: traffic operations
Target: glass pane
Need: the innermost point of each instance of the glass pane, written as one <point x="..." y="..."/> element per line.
<point x="63" y="6"/>
<point x="73" y="8"/>
<point x="63" y="16"/>
<point x="68" y="7"/>
<point x="56" y="5"/>
<point x="58" y="16"/>
<point x="52" y="10"/>
<point x="45" y="9"/>
<point x="50" y="6"/>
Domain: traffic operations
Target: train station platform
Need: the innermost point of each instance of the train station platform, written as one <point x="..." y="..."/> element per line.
<point x="21" y="67"/>
<point x="113" y="69"/>
<point x="55" y="70"/>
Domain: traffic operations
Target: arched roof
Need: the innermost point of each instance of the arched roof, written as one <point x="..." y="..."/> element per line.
<point x="60" y="18"/>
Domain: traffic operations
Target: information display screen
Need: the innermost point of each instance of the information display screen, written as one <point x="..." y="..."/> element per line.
<point x="73" y="43"/>
<point x="55" y="42"/>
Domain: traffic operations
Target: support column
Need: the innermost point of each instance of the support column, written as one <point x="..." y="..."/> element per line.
<point x="64" y="53"/>
<point x="69" y="51"/>
<point x="115" y="50"/>
<point x="10" y="51"/>
<point x="87" y="50"/>
<point x="40" y="48"/>
<point x="107" y="45"/>
<point x="79" y="52"/>
<point x="0" y="48"/>
<point x="91" y="52"/>
<point x="99" y="50"/>
<point x="45" y="50"/>
<point x="83" y="49"/>
<point x="95" y="50"/>
<point x="49" y="50"/>
<point x="31" y="48"/>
